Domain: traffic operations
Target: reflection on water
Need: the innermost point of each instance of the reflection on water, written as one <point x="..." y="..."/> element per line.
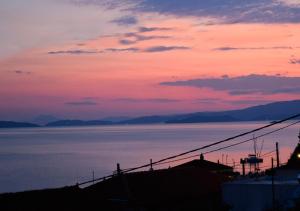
<point x="52" y="157"/>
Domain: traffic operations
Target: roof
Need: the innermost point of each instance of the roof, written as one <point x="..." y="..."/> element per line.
<point x="294" y="161"/>
<point x="206" y="165"/>
<point x="161" y="185"/>
<point x="265" y="180"/>
<point x="168" y="189"/>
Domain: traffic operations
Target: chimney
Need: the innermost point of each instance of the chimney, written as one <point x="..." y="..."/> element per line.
<point x="201" y="157"/>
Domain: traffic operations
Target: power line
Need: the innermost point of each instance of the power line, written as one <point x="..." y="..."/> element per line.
<point x="172" y="161"/>
<point x="242" y="142"/>
<point x="216" y="143"/>
<point x="207" y="146"/>
<point x="268" y="153"/>
<point x="231" y="145"/>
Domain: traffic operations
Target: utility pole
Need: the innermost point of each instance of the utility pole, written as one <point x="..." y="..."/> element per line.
<point x="118" y="169"/>
<point x="151" y="165"/>
<point x="93" y="177"/>
<point x="272" y="163"/>
<point x="243" y="166"/>
<point x="277" y="155"/>
<point x="273" y="185"/>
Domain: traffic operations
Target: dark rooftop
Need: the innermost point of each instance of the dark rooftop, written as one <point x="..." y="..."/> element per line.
<point x="294" y="161"/>
<point x="206" y="165"/>
<point x="191" y="188"/>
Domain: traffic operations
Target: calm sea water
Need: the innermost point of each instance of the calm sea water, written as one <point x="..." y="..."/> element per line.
<point x="36" y="158"/>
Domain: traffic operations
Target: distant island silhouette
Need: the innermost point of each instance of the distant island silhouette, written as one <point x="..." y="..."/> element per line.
<point x="11" y="124"/>
<point x="267" y="112"/>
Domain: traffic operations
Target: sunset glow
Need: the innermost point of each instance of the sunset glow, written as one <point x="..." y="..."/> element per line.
<point x="121" y="71"/>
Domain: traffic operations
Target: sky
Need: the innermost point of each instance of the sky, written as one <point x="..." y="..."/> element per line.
<point x="91" y="59"/>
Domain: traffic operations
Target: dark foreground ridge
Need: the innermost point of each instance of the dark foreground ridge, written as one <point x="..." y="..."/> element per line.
<point x="193" y="186"/>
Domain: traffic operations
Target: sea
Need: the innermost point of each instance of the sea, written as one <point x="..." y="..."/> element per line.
<point x="51" y="157"/>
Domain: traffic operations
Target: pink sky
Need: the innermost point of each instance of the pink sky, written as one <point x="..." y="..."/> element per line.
<point x="96" y="77"/>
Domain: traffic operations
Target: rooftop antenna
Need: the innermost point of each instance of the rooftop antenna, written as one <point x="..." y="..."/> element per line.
<point x="252" y="160"/>
<point x="261" y="147"/>
<point x="233" y="162"/>
<point x="255" y="152"/>
<point x="254" y="145"/>
<point x="226" y="158"/>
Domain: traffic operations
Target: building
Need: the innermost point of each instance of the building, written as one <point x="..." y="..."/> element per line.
<point x="195" y="185"/>
<point x="207" y="165"/>
<point x="278" y="190"/>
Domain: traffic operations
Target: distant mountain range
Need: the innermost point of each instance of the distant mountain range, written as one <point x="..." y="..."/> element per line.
<point x="78" y="123"/>
<point x="10" y="124"/>
<point x="44" y="119"/>
<point x="268" y="112"/>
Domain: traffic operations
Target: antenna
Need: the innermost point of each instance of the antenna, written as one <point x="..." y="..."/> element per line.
<point x="226" y="158"/>
<point x="233" y="162"/>
<point x="261" y="147"/>
<point x="254" y="145"/>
